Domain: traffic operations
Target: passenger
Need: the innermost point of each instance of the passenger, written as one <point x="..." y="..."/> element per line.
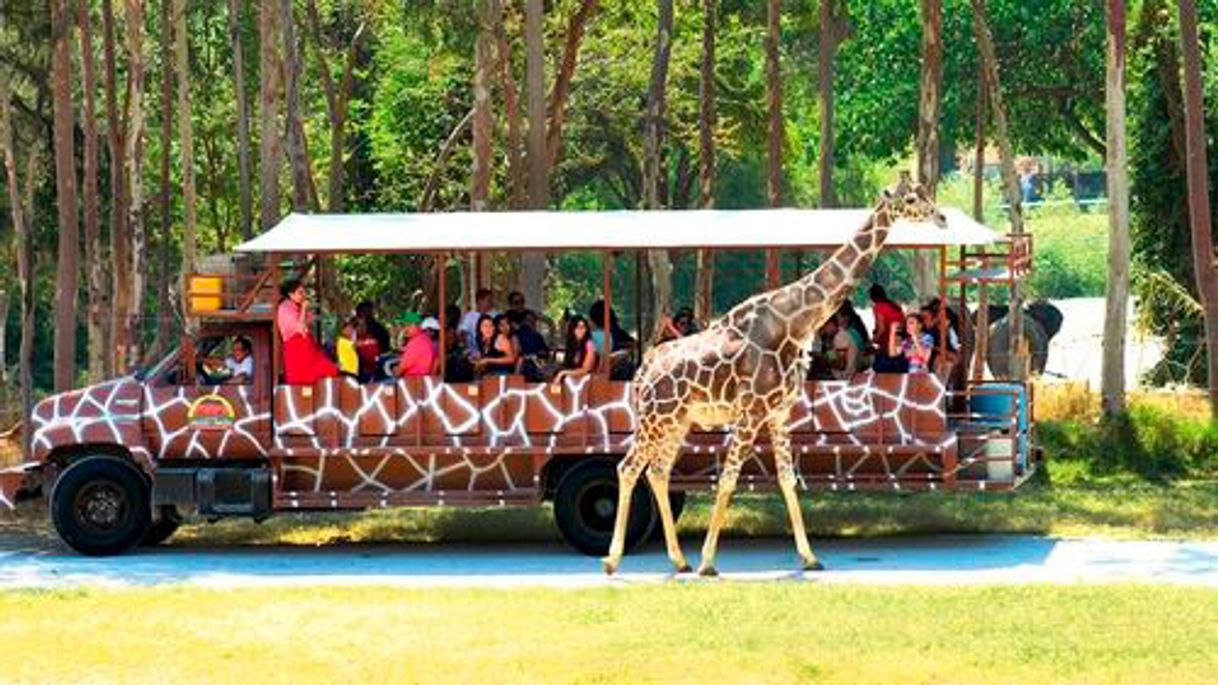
<point x="516" y="311"/>
<point x="373" y="329"/>
<point x="844" y="352"/>
<point x="483" y="306"/>
<point x="239" y="365"/>
<point x="496" y="355"/>
<point x="457" y="365"/>
<point x="912" y="345"/>
<point x="888" y="317"/>
<point x="933" y="322"/>
<point x="679" y="325"/>
<point x="533" y="348"/>
<point x="419" y="354"/>
<point x="854" y="323"/>
<point x="304" y="362"/>
<point x="345" y="348"/>
<point x="580" y="357"/>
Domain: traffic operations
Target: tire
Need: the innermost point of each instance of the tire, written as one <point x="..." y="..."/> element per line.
<point x="676" y="501"/>
<point x="585" y="506"/>
<point x="163" y="527"/>
<point x="99" y="506"/>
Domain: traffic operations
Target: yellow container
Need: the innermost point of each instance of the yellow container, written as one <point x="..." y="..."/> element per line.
<point x="205" y="293"/>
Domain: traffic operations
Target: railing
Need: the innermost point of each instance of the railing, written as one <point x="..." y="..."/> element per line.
<point x="993" y="423"/>
<point x="1005" y="262"/>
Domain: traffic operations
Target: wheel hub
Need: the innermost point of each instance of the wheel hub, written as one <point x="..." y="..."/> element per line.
<point x="101" y="505"/>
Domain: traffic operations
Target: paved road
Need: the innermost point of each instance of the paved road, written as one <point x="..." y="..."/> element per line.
<point x="966" y="560"/>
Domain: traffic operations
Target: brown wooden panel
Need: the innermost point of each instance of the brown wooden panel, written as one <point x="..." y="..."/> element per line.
<point x="411" y="394"/>
<point x="545" y="405"/>
<point x="608" y="406"/>
<point x="378" y="407"/>
<point x="327" y="396"/>
<point x="461" y="405"/>
<point x="294" y="406"/>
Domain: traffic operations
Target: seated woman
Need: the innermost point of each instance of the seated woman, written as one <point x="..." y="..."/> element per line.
<point x="304" y="362"/>
<point x="580" y="357"/>
<point x="913" y="345"/>
<point x="496" y="354"/>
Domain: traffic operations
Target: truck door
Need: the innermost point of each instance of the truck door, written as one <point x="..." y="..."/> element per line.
<point x="213" y="401"/>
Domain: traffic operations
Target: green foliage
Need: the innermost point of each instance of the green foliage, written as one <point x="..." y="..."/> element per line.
<point x="1149" y="442"/>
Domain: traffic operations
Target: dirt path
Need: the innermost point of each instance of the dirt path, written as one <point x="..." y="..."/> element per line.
<point x="965" y="560"/>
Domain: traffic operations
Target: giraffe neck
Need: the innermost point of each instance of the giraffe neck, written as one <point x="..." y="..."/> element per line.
<point x="815" y="297"/>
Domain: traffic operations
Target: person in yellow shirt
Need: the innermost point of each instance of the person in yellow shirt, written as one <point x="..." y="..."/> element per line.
<point x="348" y="359"/>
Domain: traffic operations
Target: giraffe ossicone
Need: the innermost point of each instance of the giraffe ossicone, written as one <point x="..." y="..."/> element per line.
<point x="746" y="370"/>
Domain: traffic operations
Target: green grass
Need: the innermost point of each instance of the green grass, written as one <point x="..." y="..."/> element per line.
<point x="704" y="632"/>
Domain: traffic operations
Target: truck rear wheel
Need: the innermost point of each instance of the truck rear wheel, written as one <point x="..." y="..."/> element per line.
<point x="100" y="506"/>
<point x="585" y="508"/>
<point x="163" y="527"/>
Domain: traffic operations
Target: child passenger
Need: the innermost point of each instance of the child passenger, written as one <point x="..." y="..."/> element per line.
<point x="914" y="345"/>
<point x="344" y="347"/>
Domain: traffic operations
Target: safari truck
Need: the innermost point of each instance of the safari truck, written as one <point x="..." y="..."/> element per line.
<point x="122" y="461"/>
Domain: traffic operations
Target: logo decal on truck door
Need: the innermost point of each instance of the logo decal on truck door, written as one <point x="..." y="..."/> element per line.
<point x="211" y="413"/>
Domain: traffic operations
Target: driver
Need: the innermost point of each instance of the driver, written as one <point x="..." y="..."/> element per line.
<point x="240" y="364"/>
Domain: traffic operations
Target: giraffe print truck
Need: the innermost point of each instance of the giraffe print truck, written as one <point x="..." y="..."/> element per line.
<point x="124" y="460"/>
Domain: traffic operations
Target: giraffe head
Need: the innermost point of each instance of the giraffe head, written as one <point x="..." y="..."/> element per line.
<point x="909" y="200"/>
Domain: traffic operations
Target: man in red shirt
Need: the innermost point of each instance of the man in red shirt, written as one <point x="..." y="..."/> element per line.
<point x="419" y="353"/>
<point x="887" y="314"/>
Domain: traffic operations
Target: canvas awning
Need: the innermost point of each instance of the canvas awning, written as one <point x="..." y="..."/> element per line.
<point x="593" y="230"/>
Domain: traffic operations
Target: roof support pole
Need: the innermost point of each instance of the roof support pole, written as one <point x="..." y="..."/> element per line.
<point x="442" y="306"/>
<point x="607" y="293"/>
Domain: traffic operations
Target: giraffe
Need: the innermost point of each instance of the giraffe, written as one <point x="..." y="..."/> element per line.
<point x="746" y="371"/>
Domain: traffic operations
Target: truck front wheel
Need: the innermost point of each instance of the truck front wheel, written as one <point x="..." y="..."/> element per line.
<point x="585" y="508"/>
<point x="100" y="506"/>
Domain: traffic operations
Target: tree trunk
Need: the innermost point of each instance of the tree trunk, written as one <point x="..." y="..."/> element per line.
<point x="135" y="155"/>
<point x="706" y="158"/>
<point x="67" y="271"/>
<point x="268" y="95"/>
<point x="165" y="189"/>
<point x="185" y="137"/>
<point x="831" y="28"/>
<point x="989" y="61"/>
<point x="1113" y="375"/>
<point x="120" y="237"/>
<point x="773" y="73"/>
<point x="484" y="118"/>
<point x="94" y="258"/>
<point x="22" y="209"/>
<point x="926" y="266"/>
<point x="517" y="190"/>
<point x="302" y="175"/>
<point x="338" y="98"/>
<point x="533" y="264"/>
<point x="566" y="73"/>
<point x="653" y="143"/>
<point x="979" y="149"/>
<point x="243" y="119"/>
<point x="1196" y="166"/>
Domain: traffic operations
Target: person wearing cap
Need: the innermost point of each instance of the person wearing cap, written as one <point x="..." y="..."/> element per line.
<point x="419" y="356"/>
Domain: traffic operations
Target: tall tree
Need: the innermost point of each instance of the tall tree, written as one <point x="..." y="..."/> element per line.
<point x="67" y="277"/>
<point x="1196" y="167"/>
<point x="268" y="95"/>
<point x="95" y="272"/>
<point x="298" y="156"/>
<point x="243" y="118"/>
<point x="186" y="150"/>
<point x="134" y="14"/>
<point x="653" y="142"/>
<point x="165" y="183"/>
<point x="120" y="236"/>
<point x="565" y="75"/>
<point x="484" y="119"/>
<point x="517" y="190"/>
<point x="22" y="208"/>
<point x="773" y="79"/>
<point x="338" y="104"/>
<point x="533" y="264"/>
<point x="929" y="97"/>
<point x="832" y="31"/>
<point x="1017" y="357"/>
<point x="1112" y="380"/>
<point x="707" y="120"/>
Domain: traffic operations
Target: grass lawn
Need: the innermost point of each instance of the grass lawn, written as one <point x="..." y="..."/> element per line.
<point x="708" y="632"/>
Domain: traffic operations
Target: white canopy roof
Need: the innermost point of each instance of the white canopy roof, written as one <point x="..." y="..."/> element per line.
<point x="591" y="230"/>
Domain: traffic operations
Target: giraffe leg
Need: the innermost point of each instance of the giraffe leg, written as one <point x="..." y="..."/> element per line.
<point x="628" y="471"/>
<point x="780" y="439"/>
<point x="657" y="477"/>
<point x="742" y="440"/>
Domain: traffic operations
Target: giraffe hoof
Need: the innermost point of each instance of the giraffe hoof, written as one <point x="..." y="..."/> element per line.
<point x="814" y="565"/>
<point x="609" y="566"/>
<point x="684" y="568"/>
<point x="707" y="571"/>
